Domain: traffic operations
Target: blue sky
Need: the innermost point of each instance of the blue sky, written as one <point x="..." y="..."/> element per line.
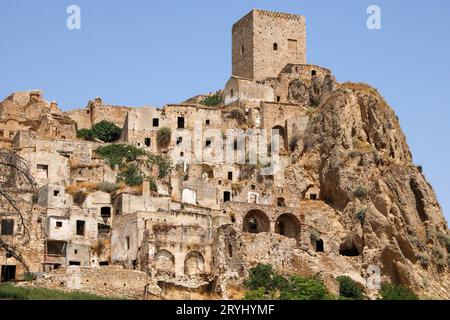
<point x="157" y="52"/>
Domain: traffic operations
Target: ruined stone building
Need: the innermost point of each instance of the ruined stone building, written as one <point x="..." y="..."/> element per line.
<point x="343" y="197"/>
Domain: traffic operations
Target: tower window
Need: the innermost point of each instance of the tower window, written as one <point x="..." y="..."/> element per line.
<point x="231" y="92"/>
<point x="207" y="122"/>
<point x="155" y="122"/>
<point x="275" y="46"/>
<point x="180" y="122"/>
<point x="242" y="50"/>
<point x="230" y="175"/>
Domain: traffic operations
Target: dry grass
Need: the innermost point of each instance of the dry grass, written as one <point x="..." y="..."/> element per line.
<point x="85" y="186"/>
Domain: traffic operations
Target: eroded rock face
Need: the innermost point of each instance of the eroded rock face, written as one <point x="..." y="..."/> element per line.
<point x="355" y="150"/>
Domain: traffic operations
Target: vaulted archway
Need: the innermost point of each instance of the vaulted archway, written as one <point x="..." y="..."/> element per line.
<point x="288" y="225"/>
<point x="194" y="263"/>
<point x="256" y="221"/>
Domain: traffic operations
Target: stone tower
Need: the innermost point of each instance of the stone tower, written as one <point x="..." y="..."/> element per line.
<point x="264" y="42"/>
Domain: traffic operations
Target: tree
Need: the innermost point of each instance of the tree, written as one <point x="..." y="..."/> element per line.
<point x="301" y="288"/>
<point x="18" y="190"/>
<point x="106" y="131"/>
<point x="163" y="137"/>
<point x="349" y="289"/>
<point x="397" y="292"/>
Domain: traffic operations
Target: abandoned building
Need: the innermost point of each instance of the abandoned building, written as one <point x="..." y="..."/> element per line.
<point x="202" y="225"/>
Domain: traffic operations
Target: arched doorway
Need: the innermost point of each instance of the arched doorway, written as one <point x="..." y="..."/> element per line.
<point x="280" y="132"/>
<point x="165" y="262"/>
<point x="288" y="225"/>
<point x="194" y="263"/>
<point x="256" y="221"/>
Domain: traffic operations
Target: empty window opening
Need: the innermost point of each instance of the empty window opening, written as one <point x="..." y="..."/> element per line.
<point x="280" y="202"/>
<point x="74" y="263"/>
<point x="181" y="154"/>
<point x="207" y="122"/>
<point x="155" y="122"/>
<point x="230" y="250"/>
<point x="232" y="93"/>
<point x="80" y="227"/>
<point x="58" y="224"/>
<point x="230" y="175"/>
<point x="319" y="245"/>
<point x="103" y="229"/>
<point x="127" y="243"/>
<point x="180" y="122"/>
<point x="55" y="193"/>
<point x="253" y="187"/>
<point x="147" y="142"/>
<point x="233" y="219"/>
<point x="235" y="144"/>
<point x="42" y="171"/>
<point x="313" y="73"/>
<point x="313" y="196"/>
<point x="179" y="140"/>
<point x="292" y="44"/>
<point x="105" y="212"/>
<point x="8" y="273"/>
<point x="75" y="251"/>
<point x="56" y="248"/>
<point x="275" y="46"/>
<point x="103" y="263"/>
<point x="278" y="98"/>
<point x="242" y="50"/>
<point x="208" y="143"/>
<point x="226" y="196"/>
<point x="7" y="227"/>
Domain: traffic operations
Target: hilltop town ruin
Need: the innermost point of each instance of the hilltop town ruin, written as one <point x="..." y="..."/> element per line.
<point x="132" y="218"/>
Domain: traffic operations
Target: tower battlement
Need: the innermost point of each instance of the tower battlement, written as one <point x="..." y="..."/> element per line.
<point x="264" y="42"/>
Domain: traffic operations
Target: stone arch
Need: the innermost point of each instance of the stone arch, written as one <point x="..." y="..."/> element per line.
<point x="194" y="263"/>
<point x="207" y="171"/>
<point x="165" y="262"/>
<point x="281" y="134"/>
<point x="256" y="221"/>
<point x="288" y="225"/>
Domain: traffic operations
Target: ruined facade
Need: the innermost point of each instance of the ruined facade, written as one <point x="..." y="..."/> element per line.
<point x="197" y="230"/>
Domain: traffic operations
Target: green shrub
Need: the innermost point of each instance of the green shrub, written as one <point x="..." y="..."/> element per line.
<point x="439" y="256"/>
<point x="301" y="288"/>
<point x="260" y="277"/>
<point x="131" y="175"/>
<point x="79" y="197"/>
<point x="423" y="259"/>
<point x="361" y="191"/>
<point x="444" y="240"/>
<point x="106" y="131"/>
<point x="8" y="291"/>
<point x="163" y="162"/>
<point x="108" y="187"/>
<point x="238" y="115"/>
<point x="258" y="294"/>
<point x="117" y="154"/>
<point x="349" y="288"/>
<point x="163" y="137"/>
<point x="397" y="292"/>
<point x="86" y="134"/>
<point x="213" y="100"/>
<point x="361" y="215"/>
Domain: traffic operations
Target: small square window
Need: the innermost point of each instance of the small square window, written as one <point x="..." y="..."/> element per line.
<point x="230" y="175"/>
<point x="155" y="122"/>
<point x="75" y="251"/>
<point x="208" y="143"/>
<point x="148" y="142"/>
<point x="55" y="193"/>
<point x="207" y="122"/>
<point x="181" y="154"/>
<point x="59" y="224"/>
<point x="179" y="140"/>
<point x="7" y="227"/>
<point x="253" y="187"/>
<point x="313" y="72"/>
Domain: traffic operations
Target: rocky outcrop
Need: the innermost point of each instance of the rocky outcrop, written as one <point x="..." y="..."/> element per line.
<point x="356" y="152"/>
